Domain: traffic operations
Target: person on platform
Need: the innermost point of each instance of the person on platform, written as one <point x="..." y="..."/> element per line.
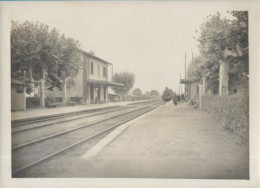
<point x="175" y="99"/>
<point x="182" y="97"/>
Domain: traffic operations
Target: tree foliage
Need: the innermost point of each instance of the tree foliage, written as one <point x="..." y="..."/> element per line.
<point x="154" y="93"/>
<point x="239" y="67"/>
<point x="39" y="54"/>
<point x="69" y="62"/>
<point x="125" y="78"/>
<point x="35" y="48"/>
<point x="216" y="35"/>
<point x="25" y="48"/>
<point x="137" y="92"/>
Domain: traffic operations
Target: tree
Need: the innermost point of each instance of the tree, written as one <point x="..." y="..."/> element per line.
<point x="49" y="56"/>
<point x="24" y="52"/>
<point x="69" y="62"/>
<point x="147" y="95"/>
<point x="196" y="68"/>
<point x="239" y="67"/>
<point x="137" y="92"/>
<point x="42" y="55"/>
<point x="32" y="52"/>
<point x="223" y="45"/>
<point x="125" y="78"/>
<point x="154" y="93"/>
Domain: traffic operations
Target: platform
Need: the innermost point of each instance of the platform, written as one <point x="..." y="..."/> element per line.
<point x="171" y="142"/>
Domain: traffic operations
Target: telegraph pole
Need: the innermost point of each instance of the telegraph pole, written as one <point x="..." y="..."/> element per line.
<point x="180" y="85"/>
<point x="185" y="67"/>
<point x="191" y="54"/>
<point x="185" y="72"/>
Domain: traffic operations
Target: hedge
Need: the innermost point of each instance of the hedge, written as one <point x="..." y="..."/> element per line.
<point x="35" y="102"/>
<point x="231" y="111"/>
<point x="77" y="100"/>
<point x="52" y="100"/>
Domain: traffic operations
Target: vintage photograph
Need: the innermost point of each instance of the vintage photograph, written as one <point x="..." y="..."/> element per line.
<point x="129" y="90"/>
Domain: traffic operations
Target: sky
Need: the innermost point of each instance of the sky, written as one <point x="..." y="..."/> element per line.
<point x="148" y="39"/>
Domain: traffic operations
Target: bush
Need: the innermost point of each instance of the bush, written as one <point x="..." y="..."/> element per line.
<point x="33" y="102"/>
<point x="52" y="100"/>
<point x="231" y="111"/>
<point x="77" y="100"/>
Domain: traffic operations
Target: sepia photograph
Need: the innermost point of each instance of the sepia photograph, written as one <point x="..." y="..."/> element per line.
<point x="150" y="90"/>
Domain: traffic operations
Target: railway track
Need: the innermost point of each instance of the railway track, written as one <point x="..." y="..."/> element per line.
<point x="68" y="129"/>
<point x="36" y="124"/>
<point x="18" y="122"/>
<point x="29" y="154"/>
<point x="146" y="102"/>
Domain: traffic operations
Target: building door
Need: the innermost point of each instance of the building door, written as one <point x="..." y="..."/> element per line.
<point x="105" y="93"/>
<point x="98" y="94"/>
<point x="91" y="93"/>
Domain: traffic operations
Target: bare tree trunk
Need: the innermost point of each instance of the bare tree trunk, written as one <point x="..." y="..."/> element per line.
<point x="42" y="88"/>
<point x="223" y="70"/>
<point x="223" y="77"/>
<point x="31" y="79"/>
<point x="121" y="97"/>
<point x="205" y="85"/>
<point x="64" y="90"/>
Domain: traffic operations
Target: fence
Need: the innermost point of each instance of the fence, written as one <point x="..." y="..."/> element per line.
<point x="231" y="111"/>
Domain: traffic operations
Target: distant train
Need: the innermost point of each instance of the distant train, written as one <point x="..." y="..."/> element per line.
<point x="167" y="98"/>
<point x="167" y="94"/>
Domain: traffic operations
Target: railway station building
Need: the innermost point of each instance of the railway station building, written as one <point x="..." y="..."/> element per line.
<point x="91" y="83"/>
<point x="18" y="95"/>
<point x="193" y="87"/>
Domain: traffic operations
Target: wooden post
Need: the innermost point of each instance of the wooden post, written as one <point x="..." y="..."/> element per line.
<point x="42" y="88"/>
<point x="64" y="90"/>
<point x="24" y="97"/>
<point x="204" y="83"/>
<point x="200" y="95"/>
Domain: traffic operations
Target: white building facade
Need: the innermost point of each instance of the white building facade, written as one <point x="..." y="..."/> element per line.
<point x="91" y="83"/>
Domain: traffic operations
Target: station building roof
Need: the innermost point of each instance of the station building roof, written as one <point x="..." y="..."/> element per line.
<point x="95" y="57"/>
<point x="108" y="83"/>
<point x="188" y="81"/>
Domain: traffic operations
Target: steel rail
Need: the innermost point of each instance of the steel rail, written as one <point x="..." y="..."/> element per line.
<point x="56" y="116"/>
<point x="67" y="114"/>
<point x="144" y="102"/>
<point x="63" y="121"/>
<point x="71" y="130"/>
<point x="79" y="142"/>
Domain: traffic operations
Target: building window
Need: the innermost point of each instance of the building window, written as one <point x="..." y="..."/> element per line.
<point x="98" y="70"/>
<point x="91" y="68"/>
<point x="105" y="93"/>
<point x="104" y="72"/>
